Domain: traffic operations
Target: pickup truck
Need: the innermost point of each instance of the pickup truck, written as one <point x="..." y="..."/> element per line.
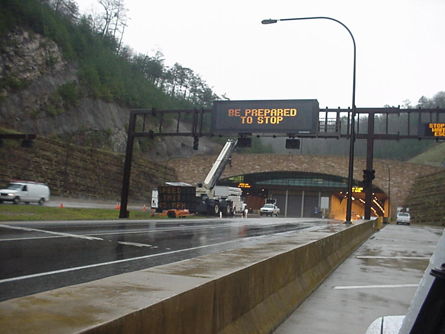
<point x="270" y="209"/>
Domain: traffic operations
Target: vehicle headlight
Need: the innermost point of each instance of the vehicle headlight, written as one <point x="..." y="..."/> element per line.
<point x="11" y="195"/>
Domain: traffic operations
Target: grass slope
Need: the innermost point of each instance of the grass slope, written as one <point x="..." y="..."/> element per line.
<point x="434" y="156"/>
<point x="35" y="212"/>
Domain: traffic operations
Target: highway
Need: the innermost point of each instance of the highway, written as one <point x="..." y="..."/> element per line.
<point x="41" y="256"/>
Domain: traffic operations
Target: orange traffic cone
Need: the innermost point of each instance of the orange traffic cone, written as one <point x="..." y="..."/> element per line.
<point x="144" y="208"/>
<point x="61" y="205"/>
<point x="118" y="206"/>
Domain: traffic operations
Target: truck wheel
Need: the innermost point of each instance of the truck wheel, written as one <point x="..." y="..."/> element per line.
<point x="41" y="201"/>
<point x="16" y="200"/>
<point x="216" y="209"/>
<point x="227" y="211"/>
<point x="171" y="214"/>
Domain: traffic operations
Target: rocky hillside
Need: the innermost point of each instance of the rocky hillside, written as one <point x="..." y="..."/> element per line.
<point x="36" y="97"/>
<point x="79" y="172"/>
<point x="426" y="200"/>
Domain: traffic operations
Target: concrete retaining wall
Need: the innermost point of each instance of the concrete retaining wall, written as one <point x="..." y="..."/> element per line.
<point x="247" y="290"/>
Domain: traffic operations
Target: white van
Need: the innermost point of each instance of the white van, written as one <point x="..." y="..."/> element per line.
<point x="25" y="191"/>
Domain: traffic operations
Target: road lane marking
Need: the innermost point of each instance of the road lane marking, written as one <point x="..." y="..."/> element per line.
<point x="133" y="244"/>
<point x="89" y="234"/>
<point x="351" y="287"/>
<point x="61" y="271"/>
<point x="27" y="239"/>
<point x="157" y="230"/>
<point x="69" y="235"/>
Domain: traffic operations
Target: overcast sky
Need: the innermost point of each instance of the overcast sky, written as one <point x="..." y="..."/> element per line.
<point x="400" y="47"/>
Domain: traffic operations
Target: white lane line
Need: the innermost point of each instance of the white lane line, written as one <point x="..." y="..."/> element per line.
<point x="133" y="244"/>
<point x="157" y="230"/>
<point x="27" y="239"/>
<point x="69" y="235"/>
<point x="14" y="279"/>
<point x="100" y="233"/>
<point x="351" y="287"/>
<point x="394" y="257"/>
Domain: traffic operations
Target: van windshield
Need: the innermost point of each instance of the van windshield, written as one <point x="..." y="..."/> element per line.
<point x="14" y="186"/>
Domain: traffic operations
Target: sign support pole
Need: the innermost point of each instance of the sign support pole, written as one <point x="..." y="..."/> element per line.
<point x="127" y="168"/>
<point x="369" y="164"/>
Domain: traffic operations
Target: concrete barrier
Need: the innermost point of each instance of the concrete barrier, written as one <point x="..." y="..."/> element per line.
<point x="247" y="290"/>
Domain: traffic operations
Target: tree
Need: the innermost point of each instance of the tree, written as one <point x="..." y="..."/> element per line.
<point x="114" y="19"/>
<point x="65" y="8"/>
<point x="108" y="69"/>
<point x="438" y="101"/>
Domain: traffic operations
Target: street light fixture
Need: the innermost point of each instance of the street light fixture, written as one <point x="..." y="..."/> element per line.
<point x="353" y="109"/>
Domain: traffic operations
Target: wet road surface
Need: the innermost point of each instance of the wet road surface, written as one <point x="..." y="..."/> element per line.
<point x="40" y="256"/>
<point x="379" y="279"/>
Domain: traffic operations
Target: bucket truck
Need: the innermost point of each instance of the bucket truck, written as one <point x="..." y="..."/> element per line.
<point x="213" y="199"/>
<point x="207" y="197"/>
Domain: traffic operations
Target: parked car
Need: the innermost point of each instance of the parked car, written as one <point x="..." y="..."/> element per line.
<point x="25" y="191"/>
<point x="269" y="209"/>
<point x="403" y="218"/>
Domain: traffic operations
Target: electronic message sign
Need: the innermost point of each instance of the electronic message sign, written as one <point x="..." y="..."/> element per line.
<point x="268" y="116"/>
<point x="176" y="197"/>
<point x="432" y="130"/>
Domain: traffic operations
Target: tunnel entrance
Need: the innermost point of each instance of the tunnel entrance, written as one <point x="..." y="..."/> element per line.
<point x="304" y="194"/>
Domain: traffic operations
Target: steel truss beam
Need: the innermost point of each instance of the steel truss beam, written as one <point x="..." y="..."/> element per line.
<point x="150" y="123"/>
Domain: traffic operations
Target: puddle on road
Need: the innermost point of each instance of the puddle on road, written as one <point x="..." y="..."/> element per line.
<point x="402" y="264"/>
<point x="400" y="260"/>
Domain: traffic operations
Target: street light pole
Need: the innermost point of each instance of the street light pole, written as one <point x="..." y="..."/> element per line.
<point x="353" y="108"/>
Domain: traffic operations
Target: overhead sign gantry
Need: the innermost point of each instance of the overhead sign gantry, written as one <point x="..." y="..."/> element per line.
<point x="291" y="118"/>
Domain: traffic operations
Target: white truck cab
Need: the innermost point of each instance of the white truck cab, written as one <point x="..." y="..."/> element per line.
<point x="25" y="191"/>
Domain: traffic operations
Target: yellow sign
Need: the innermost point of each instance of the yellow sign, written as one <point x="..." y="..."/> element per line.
<point x="244" y="185"/>
<point x="262" y="116"/>
<point x="438" y="129"/>
<point x="270" y="116"/>
<point x="357" y="189"/>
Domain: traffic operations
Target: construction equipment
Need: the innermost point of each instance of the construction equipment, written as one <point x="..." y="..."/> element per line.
<point x="213" y="199"/>
<point x="208" y="198"/>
